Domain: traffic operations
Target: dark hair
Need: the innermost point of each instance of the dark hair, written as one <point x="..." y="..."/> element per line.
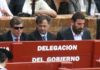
<point x="15" y="21"/>
<point x="78" y="15"/>
<point x="39" y="19"/>
<point x="3" y="57"/>
<point x="8" y="54"/>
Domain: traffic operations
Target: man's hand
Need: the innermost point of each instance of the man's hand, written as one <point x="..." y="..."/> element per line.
<point x="4" y="12"/>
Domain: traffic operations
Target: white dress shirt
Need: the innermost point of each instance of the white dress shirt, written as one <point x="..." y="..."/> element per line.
<point x="27" y="8"/>
<point x="14" y="38"/>
<point x="2" y="68"/>
<point x="44" y="36"/>
<point x="83" y="6"/>
<point x="77" y="36"/>
<point x="93" y="8"/>
<point x="3" y="5"/>
<point x="41" y="4"/>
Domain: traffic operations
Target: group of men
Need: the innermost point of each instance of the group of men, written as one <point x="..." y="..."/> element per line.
<point x="77" y="30"/>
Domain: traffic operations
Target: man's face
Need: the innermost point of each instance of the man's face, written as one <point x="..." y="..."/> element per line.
<point x="17" y="30"/>
<point x="78" y="26"/>
<point x="43" y="27"/>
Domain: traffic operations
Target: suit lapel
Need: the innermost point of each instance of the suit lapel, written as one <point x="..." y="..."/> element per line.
<point x="69" y="35"/>
<point x="22" y="37"/>
<point x="48" y="36"/>
<point x="84" y="36"/>
<point x="37" y="35"/>
<point x="9" y="36"/>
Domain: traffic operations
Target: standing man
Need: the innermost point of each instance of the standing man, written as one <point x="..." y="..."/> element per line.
<point x="77" y="31"/>
<point x="16" y="6"/>
<point x="42" y="27"/>
<point x="16" y="31"/>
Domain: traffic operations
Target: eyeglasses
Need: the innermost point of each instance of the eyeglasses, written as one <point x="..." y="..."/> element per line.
<point x="18" y="28"/>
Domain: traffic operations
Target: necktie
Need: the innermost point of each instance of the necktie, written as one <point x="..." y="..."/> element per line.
<point x="17" y="39"/>
<point x="43" y="38"/>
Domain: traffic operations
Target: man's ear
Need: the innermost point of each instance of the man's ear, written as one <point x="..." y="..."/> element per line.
<point x="72" y="22"/>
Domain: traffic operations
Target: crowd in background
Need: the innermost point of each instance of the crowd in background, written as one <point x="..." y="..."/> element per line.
<point x="44" y="10"/>
<point x="47" y="7"/>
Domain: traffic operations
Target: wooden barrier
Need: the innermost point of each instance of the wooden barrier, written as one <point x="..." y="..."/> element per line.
<point x="77" y="52"/>
<point x="60" y="22"/>
<point x="80" y="53"/>
<point x="36" y="66"/>
<point x="86" y="69"/>
<point x="79" y="69"/>
<point x="6" y="45"/>
<point x="96" y="59"/>
<point x="33" y="66"/>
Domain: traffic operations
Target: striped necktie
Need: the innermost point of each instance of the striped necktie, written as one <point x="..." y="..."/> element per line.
<point x="43" y="38"/>
<point x="17" y="39"/>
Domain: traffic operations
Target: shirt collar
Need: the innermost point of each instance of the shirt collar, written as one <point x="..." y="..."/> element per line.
<point x="76" y="34"/>
<point x="14" y="37"/>
<point x="43" y="34"/>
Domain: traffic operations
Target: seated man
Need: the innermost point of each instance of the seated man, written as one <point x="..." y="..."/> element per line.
<point x="42" y="27"/>
<point x="5" y="55"/>
<point x="77" y="31"/>
<point x="16" y="31"/>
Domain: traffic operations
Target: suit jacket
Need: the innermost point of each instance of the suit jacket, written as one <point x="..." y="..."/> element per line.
<point x="8" y="37"/>
<point x="97" y="2"/>
<point x="65" y="7"/>
<point x="67" y="35"/>
<point x="16" y="6"/>
<point x="36" y="36"/>
<point x="98" y="29"/>
<point x="74" y="6"/>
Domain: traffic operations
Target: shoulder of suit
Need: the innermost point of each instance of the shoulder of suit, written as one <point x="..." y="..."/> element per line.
<point x="64" y="30"/>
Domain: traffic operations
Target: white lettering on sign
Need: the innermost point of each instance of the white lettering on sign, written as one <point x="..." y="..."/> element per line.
<point x="57" y="59"/>
<point x="57" y="47"/>
<point x="38" y="59"/>
<point x="7" y="48"/>
<point x="68" y="58"/>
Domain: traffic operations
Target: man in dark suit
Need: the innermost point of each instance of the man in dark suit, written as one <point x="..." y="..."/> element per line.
<point x="77" y="31"/>
<point x="16" y="31"/>
<point x="16" y="6"/>
<point x="41" y="32"/>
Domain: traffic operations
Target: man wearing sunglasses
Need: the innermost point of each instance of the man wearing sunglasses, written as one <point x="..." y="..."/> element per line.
<point x="16" y="31"/>
<point x="77" y="30"/>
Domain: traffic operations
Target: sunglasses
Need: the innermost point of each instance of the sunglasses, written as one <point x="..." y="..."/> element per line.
<point x="18" y="28"/>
